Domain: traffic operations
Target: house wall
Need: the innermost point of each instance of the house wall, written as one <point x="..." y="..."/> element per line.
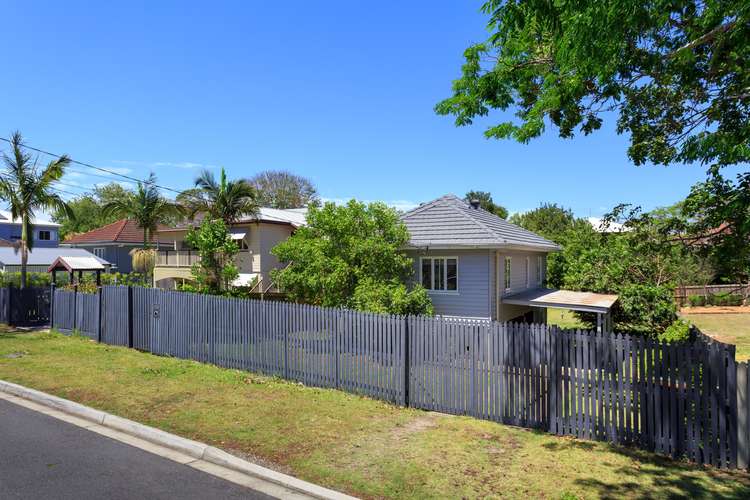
<point x="475" y="272"/>
<point x="118" y="254"/>
<point x="518" y="281"/>
<point x="12" y="232"/>
<point x="270" y="236"/>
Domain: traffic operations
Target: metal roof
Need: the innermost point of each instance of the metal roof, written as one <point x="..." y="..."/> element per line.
<point x="7" y="218"/>
<point x="76" y="264"/>
<point x="563" y="299"/>
<point x="44" y="256"/>
<point x="450" y="222"/>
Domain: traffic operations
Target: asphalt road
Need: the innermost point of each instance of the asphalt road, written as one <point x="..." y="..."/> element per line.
<point x="45" y="458"/>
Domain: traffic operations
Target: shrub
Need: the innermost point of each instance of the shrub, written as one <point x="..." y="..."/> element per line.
<point x="725" y="299"/>
<point x="391" y="297"/>
<point x="678" y="331"/>
<point x="645" y="309"/>
<point x="696" y="300"/>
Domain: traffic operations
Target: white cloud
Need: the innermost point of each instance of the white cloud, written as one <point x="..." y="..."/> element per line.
<point x="187" y="165"/>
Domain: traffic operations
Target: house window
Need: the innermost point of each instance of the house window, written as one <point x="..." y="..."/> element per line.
<point x="507" y="273"/>
<point x="528" y="272"/>
<point x="440" y="273"/>
<point x="243" y="244"/>
<point x="99" y="252"/>
<point x="539" y="264"/>
<point x="45" y="235"/>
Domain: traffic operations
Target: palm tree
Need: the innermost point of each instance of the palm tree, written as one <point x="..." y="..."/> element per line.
<point x="27" y="189"/>
<point x="146" y="206"/>
<point x="222" y="199"/>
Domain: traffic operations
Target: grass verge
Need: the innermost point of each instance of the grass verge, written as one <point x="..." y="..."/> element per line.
<point x="351" y="443"/>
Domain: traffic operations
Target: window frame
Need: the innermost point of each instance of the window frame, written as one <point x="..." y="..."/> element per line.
<point x="99" y="252"/>
<point x="39" y="235"/>
<point x="507" y="273"/>
<point x="445" y="259"/>
<point x="528" y="272"/>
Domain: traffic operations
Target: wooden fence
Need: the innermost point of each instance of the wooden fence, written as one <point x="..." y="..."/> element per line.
<point x="682" y="293"/>
<point x="684" y="400"/>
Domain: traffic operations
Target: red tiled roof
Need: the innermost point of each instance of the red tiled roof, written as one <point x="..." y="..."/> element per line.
<point x="122" y="231"/>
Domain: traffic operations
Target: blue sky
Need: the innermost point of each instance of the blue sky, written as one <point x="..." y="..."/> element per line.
<point x="341" y="92"/>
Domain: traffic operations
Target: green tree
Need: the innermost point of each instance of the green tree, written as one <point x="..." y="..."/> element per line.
<point x="27" y="190"/>
<point x="216" y="269"/>
<point x="719" y="223"/>
<point x="675" y="74"/>
<point x="220" y="199"/>
<point x="485" y="201"/>
<point x="87" y="209"/>
<point x="282" y="189"/>
<point x="548" y="220"/>
<point x="146" y="206"/>
<point x="351" y="256"/>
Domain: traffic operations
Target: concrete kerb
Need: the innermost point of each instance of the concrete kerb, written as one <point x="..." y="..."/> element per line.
<point x="199" y="451"/>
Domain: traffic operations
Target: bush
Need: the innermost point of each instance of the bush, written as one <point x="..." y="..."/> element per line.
<point x="696" y="300"/>
<point x="678" y="331"/>
<point x="391" y="298"/>
<point x="645" y="309"/>
<point x="725" y="299"/>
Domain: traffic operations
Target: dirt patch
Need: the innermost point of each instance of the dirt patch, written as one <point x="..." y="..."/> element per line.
<point x="414" y="426"/>
<point x="716" y="310"/>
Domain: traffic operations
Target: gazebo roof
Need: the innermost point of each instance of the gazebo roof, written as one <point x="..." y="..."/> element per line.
<point x="71" y="264"/>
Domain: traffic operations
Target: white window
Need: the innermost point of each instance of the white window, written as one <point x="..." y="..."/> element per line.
<point x="439" y="273"/>
<point x="528" y="272"/>
<point x="45" y="235"/>
<point x="539" y="267"/>
<point x="507" y="273"/>
<point x="99" y="252"/>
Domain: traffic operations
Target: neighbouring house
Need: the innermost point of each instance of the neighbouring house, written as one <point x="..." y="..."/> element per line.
<point x="476" y="265"/>
<point x="113" y="243"/>
<point x="40" y="259"/>
<point x="256" y="236"/>
<point x="45" y="232"/>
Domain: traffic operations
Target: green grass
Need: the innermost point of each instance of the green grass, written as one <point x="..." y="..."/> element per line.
<point x="351" y="443"/>
<point x="729" y="328"/>
<point x="565" y="319"/>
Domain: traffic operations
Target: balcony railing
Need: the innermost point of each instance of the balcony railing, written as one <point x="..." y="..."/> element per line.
<point x="177" y="258"/>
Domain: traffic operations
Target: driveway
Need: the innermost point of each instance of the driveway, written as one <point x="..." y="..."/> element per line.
<point x="43" y="457"/>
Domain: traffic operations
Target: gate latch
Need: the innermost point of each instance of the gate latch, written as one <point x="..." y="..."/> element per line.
<point x="156" y="311"/>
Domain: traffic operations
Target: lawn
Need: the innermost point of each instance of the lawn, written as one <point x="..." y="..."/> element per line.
<point x="565" y="319"/>
<point x="729" y="328"/>
<point x="343" y="441"/>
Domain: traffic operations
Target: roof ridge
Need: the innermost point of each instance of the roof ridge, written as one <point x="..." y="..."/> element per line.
<point x="425" y="206"/>
<point x="122" y="227"/>
<point x="464" y="211"/>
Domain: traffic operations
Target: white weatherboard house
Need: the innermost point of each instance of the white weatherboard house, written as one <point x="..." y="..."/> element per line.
<point x="476" y="265"/>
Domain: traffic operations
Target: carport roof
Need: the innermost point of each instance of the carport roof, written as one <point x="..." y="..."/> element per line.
<point x="563" y="299"/>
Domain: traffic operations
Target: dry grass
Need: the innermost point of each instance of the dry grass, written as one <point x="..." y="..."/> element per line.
<point x="343" y="441"/>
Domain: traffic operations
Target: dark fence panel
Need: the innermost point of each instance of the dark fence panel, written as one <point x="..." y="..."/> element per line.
<point x="25" y="307"/>
<point x="4" y="298"/>
<point x="684" y="400"/>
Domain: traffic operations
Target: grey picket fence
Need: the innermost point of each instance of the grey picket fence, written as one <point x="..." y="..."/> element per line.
<point x="685" y="400"/>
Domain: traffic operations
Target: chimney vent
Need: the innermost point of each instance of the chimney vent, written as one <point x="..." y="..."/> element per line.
<point x="474" y="203"/>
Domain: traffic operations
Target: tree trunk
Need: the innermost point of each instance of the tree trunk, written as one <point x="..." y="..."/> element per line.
<point x="24" y="249"/>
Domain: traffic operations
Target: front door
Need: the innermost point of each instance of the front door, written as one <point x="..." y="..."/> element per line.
<point x="244" y="258"/>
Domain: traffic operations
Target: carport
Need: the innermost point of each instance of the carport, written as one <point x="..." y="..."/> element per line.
<point x="598" y="303"/>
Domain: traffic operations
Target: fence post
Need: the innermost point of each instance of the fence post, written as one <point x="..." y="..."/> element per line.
<point x="337" y="336"/>
<point x="743" y="429"/>
<point x="130" y="316"/>
<point x="99" y="315"/>
<point x="52" y="305"/>
<point x="75" y="307"/>
<point x="407" y="356"/>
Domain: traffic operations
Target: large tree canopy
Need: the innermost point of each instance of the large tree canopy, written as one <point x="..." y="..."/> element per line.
<point x="282" y="189"/>
<point x="485" y="201"/>
<point x="675" y="72"/>
<point x="351" y="256"/>
<point x="87" y="209"/>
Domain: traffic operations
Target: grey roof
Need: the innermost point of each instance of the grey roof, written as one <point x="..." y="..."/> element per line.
<point x="44" y="256"/>
<point x="450" y="222"/>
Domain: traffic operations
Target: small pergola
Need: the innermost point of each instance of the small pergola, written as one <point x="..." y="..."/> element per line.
<point x="598" y="303"/>
<point x="73" y="265"/>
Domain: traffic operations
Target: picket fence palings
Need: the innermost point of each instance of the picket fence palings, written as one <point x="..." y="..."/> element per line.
<point x="679" y="400"/>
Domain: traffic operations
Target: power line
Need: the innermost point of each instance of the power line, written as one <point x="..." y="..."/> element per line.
<point x="101" y="169"/>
